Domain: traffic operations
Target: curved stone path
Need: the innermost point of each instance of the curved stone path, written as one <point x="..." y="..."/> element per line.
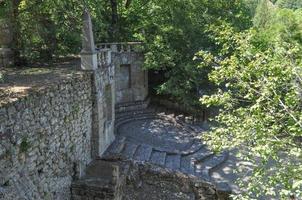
<point x="160" y="139"/>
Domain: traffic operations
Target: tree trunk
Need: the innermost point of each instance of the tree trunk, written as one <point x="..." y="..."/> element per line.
<point x="16" y="30"/>
<point x="128" y="3"/>
<point x="114" y="19"/>
<point x="49" y="37"/>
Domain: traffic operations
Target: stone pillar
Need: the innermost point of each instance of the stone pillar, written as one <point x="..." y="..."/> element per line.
<point x="88" y="53"/>
<point x="6" y="38"/>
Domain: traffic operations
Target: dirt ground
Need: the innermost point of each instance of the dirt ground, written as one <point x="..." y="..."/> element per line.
<point x="16" y="83"/>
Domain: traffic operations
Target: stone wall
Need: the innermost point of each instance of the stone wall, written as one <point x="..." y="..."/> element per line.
<point x="126" y="180"/>
<point x="152" y="182"/>
<point x="46" y="140"/>
<point x="131" y="80"/>
<point x="103" y="112"/>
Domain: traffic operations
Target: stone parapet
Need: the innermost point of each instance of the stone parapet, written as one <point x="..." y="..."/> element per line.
<point x="120" y="47"/>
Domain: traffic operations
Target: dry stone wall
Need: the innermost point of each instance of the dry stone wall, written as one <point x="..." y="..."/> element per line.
<point x="127" y="180"/>
<point x="45" y="140"/>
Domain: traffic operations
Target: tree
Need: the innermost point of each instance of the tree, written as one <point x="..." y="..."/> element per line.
<point x="263" y="14"/>
<point x="259" y="96"/>
<point x="114" y="19"/>
<point x="291" y="4"/>
<point x="172" y="32"/>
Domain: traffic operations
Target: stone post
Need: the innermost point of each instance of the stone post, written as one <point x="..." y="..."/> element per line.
<point x="6" y="54"/>
<point x="88" y="53"/>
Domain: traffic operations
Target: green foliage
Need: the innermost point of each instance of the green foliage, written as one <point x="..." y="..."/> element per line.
<point x="49" y="28"/>
<point x="173" y="31"/>
<point x="258" y="73"/>
<point x="2" y="77"/>
<point x="252" y="74"/>
<point x="4" y="9"/>
<point x="44" y="30"/>
<point x="263" y="13"/>
<point x="252" y="6"/>
<point x="291" y="4"/>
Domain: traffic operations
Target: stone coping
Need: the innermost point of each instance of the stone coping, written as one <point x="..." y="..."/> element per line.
<point x="119" y="43"/>
<point x="18" y="83"/>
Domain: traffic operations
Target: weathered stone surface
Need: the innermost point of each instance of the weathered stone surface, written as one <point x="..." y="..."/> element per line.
<point x="103" y="117"/>
<point x="88" y="54"/>
<point x="143" y="153"/>
<point x="162" y="140"/>
<point x="131" y="79"/>
<point x="139" y="180"/>
<point x="46" y="141"/>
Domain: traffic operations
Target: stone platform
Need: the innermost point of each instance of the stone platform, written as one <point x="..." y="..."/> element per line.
<point x="149" y="139"/>
<point x="166" y="141"/>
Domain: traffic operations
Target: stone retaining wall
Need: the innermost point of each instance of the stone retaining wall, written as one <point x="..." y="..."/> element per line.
<point x="45" y="140"/>
<point x="150" y="182"/>
<point x="126" y="180"/>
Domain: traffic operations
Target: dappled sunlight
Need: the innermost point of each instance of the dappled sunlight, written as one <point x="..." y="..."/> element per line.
<point x="158" y="132"/>
<point x="17" y="83"/>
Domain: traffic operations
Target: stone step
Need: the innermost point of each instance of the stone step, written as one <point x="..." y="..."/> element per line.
<point x="192" y="151"/>
<point x="137" y="105"/>
<point x="116" y="147"/>
<point x="158" y="158"/>
<point x="133" y="118"/>
<point x="202" y="154"/>
<point x="173" y="161"/>
<point x="143" y="153"/>
<point x="187" y="165"/>
<point x="132" y="113"/>
<point x="188" y="162"/>
<point x="117" y="123"/>
<point x="129" y="150"/>
<point x="203" y="169"/>
<point x="143" y="115"/>
<point x="195" y="147"/>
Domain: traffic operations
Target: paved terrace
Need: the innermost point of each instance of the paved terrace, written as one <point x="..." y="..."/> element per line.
<point x="165" y="140"/>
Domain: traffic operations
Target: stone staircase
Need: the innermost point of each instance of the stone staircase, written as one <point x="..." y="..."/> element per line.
<point x="132" y="106"/>
<point x="154" y="153"/>
<point x="200" y="162"/>
<point x="196" y="159"/>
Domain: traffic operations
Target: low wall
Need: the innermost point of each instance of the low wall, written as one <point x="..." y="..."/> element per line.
<point x="113" y="179"/>
<point x="153" y="183"/>
<point x="45" y="140"/>
<point x="202" y="115"/>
